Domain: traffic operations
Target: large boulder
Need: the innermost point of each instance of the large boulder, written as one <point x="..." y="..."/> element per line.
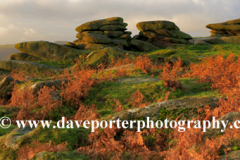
<point x="228" y="28"/>
<point x="28" y="67"/>
<point x="96" y="34"/>
<point x="108" y="55"/>
<point x="96" y="38"/>
<point x="154" y="110"/>
<point x="143" y="45"/>
<point x="70" y="44"/>
<point x="57" y="84"/>
<point x="18" y="137"/>
<point x="173" y="33"/>
<point x="120" y="42"/>
<point x="230" y="117"/>
<point x="94" y="25"/>
<point x="231" y="39"/>
<point x="112" y="28"/>
<point x="24" y="57"/>
<point x="218" y="40"/>
<point x="156" y="25"/>
<point x="49" y="51"/>
<point x="113" y="34"/>
<point x="161" y="33"/>
<point x="90" y="46"/>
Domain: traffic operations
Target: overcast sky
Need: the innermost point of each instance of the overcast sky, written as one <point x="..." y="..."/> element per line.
<point x="56" y="20"/>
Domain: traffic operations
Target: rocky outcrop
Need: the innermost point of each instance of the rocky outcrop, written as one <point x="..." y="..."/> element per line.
<point x="233" y="155"/>
<point x="57" y="84"/>
<point x="153" y="110"/>
<point x="160" y="34"/>
<point x="6" y="87"/>
<point x="108" y="55"/>
<point x="218" y="40"/>
<point x="143" y="45"/>
<point x="18" y="137"/>
<point x="101" y="33"/>
<point x="230" y="117"/>
<point x="121" y="67"/>
<point x="24" y="57"/>
<point x="136" y="80"/>
<point x="49" y="51"/>
<point x="225" y="29"/>
<point x="27" y="67"/>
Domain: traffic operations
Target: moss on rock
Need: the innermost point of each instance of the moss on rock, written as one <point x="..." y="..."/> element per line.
<point x="96" y="38"/>
<point x="24" y="57"/>
<point x="49" y="51"/>
<point x="94" y="25"/>
<point x="28" y="67"/>
<point x="107" y="55"/>
<point x="156" y="25"/>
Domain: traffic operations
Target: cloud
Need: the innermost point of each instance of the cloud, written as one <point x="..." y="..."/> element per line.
<point x="57" y="19"/>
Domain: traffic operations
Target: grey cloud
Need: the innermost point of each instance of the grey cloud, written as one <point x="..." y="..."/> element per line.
<point x="57" y="19"/>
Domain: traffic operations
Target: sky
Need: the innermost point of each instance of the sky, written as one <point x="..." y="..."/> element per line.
<point x="56" y="20"/>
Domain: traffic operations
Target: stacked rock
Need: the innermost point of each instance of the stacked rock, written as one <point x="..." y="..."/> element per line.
<point x="160" y="33"/>
<point x="103" y="33"/>
<point x="225" y="29"/>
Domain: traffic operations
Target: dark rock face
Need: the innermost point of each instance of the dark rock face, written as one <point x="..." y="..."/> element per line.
<point x="225" y="29"/>
<point x="143" y="45"/>
<point x="6" y="87"/>
<point x="161" y="34"/>
<point x="24" y="57"/>
<point x="103" y="33"/>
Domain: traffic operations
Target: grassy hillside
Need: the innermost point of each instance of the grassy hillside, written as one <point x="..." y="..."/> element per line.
<point x="95" y="93"/>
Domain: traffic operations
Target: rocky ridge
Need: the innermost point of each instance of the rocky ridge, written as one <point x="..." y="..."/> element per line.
<point x="159" y="34"/>
<point x="98" y="34"/>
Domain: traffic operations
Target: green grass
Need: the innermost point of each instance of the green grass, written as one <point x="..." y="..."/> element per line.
<point x="75" y="137"/>
<point x="6" y="131"/>
<point x="103" y="95"/>
<point x="196" y="53"/>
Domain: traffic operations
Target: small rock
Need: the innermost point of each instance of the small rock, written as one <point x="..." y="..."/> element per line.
<point x="233" y="155"/>
<point x="17" y="137"/>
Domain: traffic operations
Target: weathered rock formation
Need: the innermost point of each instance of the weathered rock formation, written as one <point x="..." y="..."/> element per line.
<point x="18" y="137"/>
<point x="108" y="55"/>
<point x="48" y="51"/>
<point x="218" y="40"/>
<point x="101" y="33"/>
<point x="153" y="110"/>
<point x="158" y="34"/>
<point x="24" y="57"/>
<point x="57" y="84"/>
<point x="225" y="29"/>
<point x="27" y="67"/>
<point x="232" y="155"/>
